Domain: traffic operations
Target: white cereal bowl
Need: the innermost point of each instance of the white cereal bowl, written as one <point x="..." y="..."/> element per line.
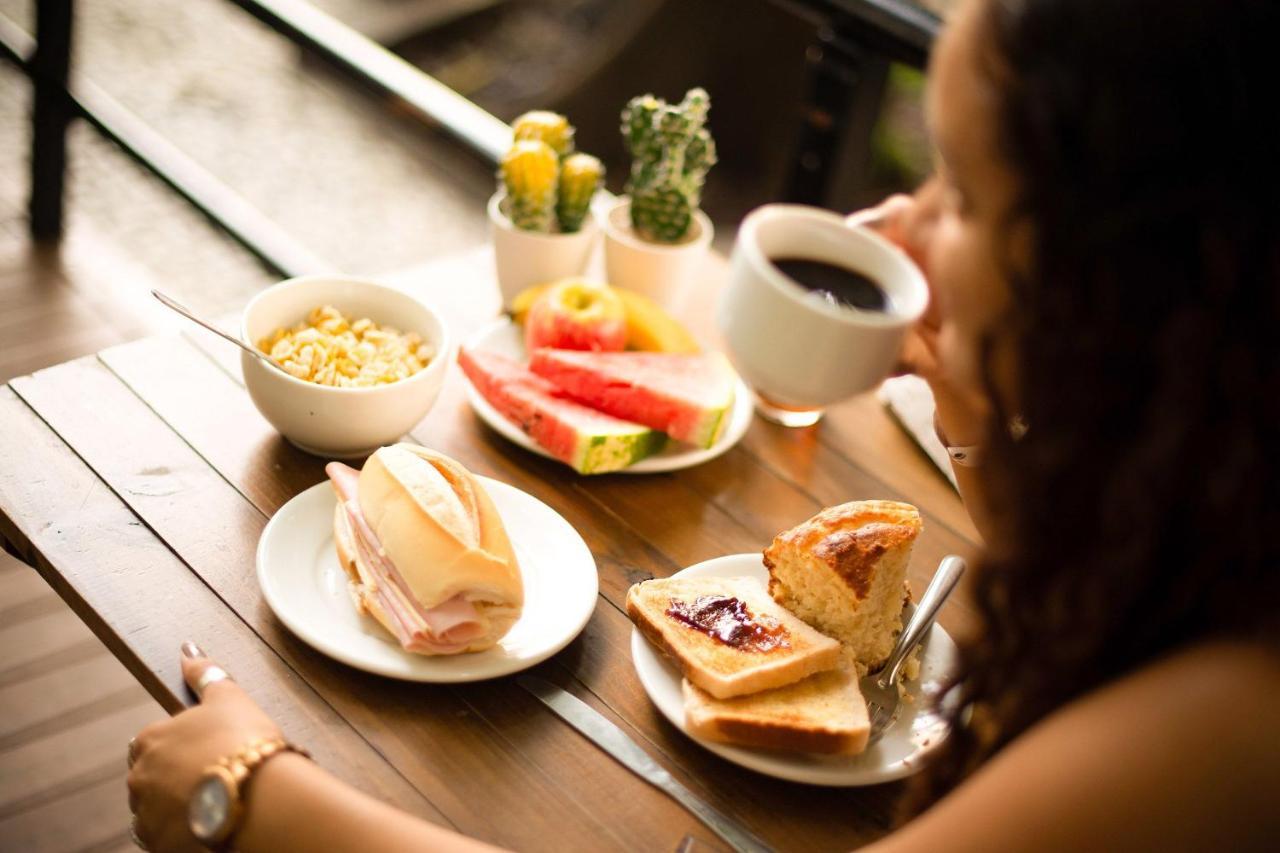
<point x="341" y="422"/>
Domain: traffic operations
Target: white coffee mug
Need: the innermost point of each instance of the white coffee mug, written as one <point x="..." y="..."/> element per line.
<point x="798" y="351"/>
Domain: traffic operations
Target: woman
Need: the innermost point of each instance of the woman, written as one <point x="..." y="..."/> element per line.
<point x="1103" y="240"/>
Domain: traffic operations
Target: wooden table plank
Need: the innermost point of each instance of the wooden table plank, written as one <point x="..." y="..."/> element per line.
<point x="102" y="560"/>
<point x="83" y="820"/>
<point x="469" y="773"/>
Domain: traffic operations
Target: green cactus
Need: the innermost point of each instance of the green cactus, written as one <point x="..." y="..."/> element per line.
<point x="551" y="128"/>
<point x="580" y="177"/>
<point x="530" y="172"/>
<point x="671" y="152"/>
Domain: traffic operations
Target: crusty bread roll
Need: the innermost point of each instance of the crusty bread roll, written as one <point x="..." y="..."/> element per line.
<point x="441" y="575"/>
<point x="844" y="572"/>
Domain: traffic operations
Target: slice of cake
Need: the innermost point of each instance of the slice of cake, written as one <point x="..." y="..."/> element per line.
<point x="824" y="713"/>
<point x="727" y="635"/>
<point x="843" y="571"/>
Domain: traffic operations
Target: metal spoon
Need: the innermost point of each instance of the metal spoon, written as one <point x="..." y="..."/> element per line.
<point x="171" y="303"/>
<point x="881" y="689"/>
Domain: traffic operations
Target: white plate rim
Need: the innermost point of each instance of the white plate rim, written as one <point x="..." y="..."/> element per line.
<point x="443" y="669"/>
<point x="674" y="458"/>
<point x="657" y="674"/>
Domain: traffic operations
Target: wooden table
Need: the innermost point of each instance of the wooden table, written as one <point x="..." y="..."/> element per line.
<point x="139" y="480"/>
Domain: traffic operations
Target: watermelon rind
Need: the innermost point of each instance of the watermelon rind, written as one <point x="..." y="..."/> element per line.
<point x="601" y="454"/>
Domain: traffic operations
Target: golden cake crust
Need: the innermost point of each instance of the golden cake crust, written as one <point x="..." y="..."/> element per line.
<point x="850" y="539"/>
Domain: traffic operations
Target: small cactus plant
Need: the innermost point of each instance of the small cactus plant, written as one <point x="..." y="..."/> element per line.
<point x="671" y="151"/>
<point x="551" y="128"/>
<point x="530" y="173"/>
<point x="548" y="186"/>
<point x="580" y="176"/>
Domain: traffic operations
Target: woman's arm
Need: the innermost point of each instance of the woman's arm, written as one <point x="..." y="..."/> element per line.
<point x="962" y="414"/>
<point x="963" y="422"/>
<point x="295" y="805"/>
<point x="1182" y="755"/>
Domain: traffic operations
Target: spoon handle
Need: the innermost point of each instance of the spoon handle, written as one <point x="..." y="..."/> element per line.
<point x="173" y="304"/>
<point x="944" y="581"/>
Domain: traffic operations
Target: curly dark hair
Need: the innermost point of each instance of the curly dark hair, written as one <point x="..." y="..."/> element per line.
<point x="1144" y="500"/>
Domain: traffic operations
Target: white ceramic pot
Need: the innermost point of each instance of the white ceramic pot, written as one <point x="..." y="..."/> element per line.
<point x="341" y="422"/>
<point x="661" y="271"/>
<point x="526" y="258"/>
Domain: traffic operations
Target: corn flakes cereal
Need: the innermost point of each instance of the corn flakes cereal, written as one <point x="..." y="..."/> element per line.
<point x="330" y="349"/>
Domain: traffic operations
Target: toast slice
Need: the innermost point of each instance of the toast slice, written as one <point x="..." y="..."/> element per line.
<point x="824" y="713"/>
<point x="727" y="635"/>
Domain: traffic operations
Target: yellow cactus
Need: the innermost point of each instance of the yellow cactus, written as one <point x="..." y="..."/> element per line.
<point x="530" y="172"/>
<point x="580" y="176"/>
<point x="545" y="126"/>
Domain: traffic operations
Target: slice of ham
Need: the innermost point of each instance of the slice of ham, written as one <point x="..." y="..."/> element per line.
<point x="447" y="628"/>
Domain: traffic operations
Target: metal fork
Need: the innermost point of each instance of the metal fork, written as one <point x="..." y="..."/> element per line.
<point x="880" y="689"/>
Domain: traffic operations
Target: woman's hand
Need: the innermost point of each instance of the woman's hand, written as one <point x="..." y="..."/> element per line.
<point x="908" y="222"/>
<point x="169" y="757"/>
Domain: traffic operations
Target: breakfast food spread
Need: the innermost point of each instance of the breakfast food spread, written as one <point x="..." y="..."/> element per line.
<point x="425" y="551"/>
<point x="844" y="572"/>
<point x="762" y="669"/>
<point x="329" y="348"/>
<point x="686" y="396"/>
<point x="726" y="635"/>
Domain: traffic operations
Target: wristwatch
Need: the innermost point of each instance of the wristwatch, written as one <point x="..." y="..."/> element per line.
<point x="217" y="803"/>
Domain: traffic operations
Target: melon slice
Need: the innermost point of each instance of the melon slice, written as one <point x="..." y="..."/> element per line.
<point x="687" y="396"/>
<point x="591" y="442"/>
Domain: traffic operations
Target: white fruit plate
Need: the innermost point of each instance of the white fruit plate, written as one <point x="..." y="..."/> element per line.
<point x="897" y="754"/>
<point x="505" y="337"/>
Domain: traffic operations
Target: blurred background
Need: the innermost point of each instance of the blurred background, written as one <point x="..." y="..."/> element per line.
<point x="372" y="189"/>
<point x="369" y="187"/>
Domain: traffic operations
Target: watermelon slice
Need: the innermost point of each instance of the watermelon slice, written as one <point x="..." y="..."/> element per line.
<point x="590" y="441"/>
<point x="686" y="396"/>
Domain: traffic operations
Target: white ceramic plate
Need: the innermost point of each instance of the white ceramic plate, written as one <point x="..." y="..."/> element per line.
<point x="305" y="585"/>
<point x="894" y="756"/>
<point x="505" y="337"/>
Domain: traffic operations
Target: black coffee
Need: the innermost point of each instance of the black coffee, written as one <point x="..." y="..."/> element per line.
<point x="837" y="285"/>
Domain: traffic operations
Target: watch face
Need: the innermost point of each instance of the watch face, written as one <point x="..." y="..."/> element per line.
<point x="210" y="808"/>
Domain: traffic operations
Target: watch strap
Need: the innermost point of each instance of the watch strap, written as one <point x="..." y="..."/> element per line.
<point x="239" y="768"/>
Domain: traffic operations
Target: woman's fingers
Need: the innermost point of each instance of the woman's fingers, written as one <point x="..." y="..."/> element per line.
<point x="201" y="672"/>
<point x="134" y="784"/>
<point x="885" y="217"/>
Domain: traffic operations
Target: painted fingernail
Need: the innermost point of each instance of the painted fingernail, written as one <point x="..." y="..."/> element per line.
<point x="191" y="650"/>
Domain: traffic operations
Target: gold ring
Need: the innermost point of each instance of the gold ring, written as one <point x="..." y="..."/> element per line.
<point x="210" y="675"/>
<point x="133" y="752"/>
<point x="133" y="833"/>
